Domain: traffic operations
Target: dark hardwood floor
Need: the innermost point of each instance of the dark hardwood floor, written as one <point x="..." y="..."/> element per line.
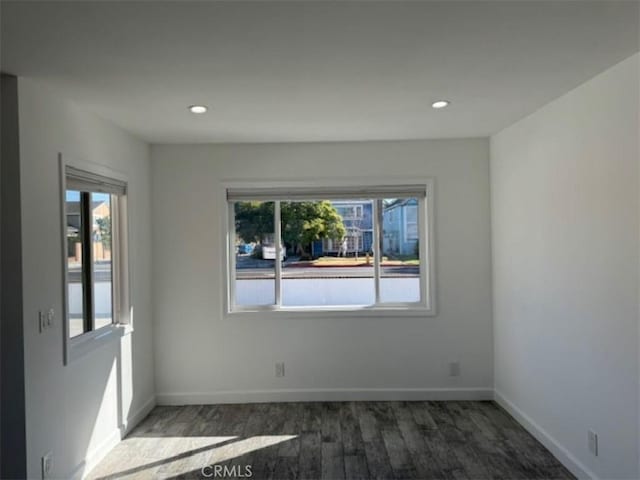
<point x="332" y="440"/>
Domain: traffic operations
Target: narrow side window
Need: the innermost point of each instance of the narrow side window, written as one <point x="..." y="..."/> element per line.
<point x="95" y="255"/>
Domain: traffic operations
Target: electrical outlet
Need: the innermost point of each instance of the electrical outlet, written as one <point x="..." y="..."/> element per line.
<point x="279" y="369"/>
<point x="593" y="442"/>
<point x="454" y="369"/>
<point x="47" y="465"/>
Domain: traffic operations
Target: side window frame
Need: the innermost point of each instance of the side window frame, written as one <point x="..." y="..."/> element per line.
<point x="116" y="185"/>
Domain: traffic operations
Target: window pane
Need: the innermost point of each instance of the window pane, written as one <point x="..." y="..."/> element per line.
<point x="400" y="266"/>
<point x="74" y="263"/>
<point x="328" y="253"/>
<point x="255" y="253"/>
<point x="102" y="265"/>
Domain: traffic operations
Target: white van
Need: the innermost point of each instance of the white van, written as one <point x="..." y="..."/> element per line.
<point x="269" y="252"/>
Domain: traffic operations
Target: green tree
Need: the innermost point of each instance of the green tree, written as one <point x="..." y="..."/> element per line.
<point x="302" y="222"/>
<point x="305" y="222"/>
<point x="104" y="227"/>
<point x="254" y="221"/>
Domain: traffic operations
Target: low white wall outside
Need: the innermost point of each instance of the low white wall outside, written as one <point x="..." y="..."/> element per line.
<point x="325" y="291"/>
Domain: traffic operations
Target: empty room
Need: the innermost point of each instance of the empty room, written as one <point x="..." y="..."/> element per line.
<point x="320" y="239"/>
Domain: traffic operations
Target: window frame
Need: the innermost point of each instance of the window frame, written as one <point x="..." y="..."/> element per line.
<point x="426" y="223"/>
<point x="122" y="321"/>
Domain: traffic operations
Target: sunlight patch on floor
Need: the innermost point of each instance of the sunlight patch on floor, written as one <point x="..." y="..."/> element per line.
<point x="222" y="454"/>
<point x="163" y="457"/>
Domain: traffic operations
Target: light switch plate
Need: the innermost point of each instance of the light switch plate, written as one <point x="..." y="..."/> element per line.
<point x="47" y="465"/>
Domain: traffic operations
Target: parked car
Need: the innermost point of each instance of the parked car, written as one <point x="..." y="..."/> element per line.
<point x="269" y="252"/>
<point x="245" y="248"/>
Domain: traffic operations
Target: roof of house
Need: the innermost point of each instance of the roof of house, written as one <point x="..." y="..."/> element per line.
<point x="73" y="208"/>
<point x="399" y="202"/>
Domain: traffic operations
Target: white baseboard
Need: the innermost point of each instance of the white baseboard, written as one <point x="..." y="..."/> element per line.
<point x="137" y="416"/>
<point x="562" y="454"/>
<point x="98" y="453"/>
<point x="323" y="395"/>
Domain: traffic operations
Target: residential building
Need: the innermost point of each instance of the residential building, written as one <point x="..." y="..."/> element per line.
<point x="357" y="217"/>
<point x="400" y="227"/>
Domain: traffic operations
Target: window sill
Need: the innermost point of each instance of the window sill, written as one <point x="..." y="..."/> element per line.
<point x="90" y="341"/>
<point x="342" y="312"/>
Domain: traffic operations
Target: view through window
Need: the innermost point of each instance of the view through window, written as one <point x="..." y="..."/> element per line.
<point x="335" y="252"/>
<point x="92" y="206"/>
<point x="89" y="261"/>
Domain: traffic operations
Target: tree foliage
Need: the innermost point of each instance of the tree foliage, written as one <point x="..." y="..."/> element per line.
<point x="302" y="222"/>
<point x="254" y="221"/>
<point x="104" y="228"/>
<point x="305" y="222"/>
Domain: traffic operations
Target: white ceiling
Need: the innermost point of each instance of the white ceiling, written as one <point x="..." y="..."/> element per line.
<point x="314" y="71"/>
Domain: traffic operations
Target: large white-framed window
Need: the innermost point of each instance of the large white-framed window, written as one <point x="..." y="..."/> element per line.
<point x="95" y="257"/>
<point x="320" y="275"/>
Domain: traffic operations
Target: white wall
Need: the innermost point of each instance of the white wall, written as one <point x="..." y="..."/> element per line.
<point x="202" y="357"/>
<point x="74" y="410"/>
<point x="564" y="196"/>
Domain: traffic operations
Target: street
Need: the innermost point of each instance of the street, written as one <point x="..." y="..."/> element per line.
<point x="101" y="272"/>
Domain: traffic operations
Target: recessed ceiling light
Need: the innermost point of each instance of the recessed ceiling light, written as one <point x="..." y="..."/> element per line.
<point x="440" y="104"/>
<point x="198" y="108"/>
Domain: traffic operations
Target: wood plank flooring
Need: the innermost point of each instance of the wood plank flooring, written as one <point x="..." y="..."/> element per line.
<point x="331" y="440"/>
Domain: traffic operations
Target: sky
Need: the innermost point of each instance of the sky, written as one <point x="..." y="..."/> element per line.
<point x="74" y="196"/>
